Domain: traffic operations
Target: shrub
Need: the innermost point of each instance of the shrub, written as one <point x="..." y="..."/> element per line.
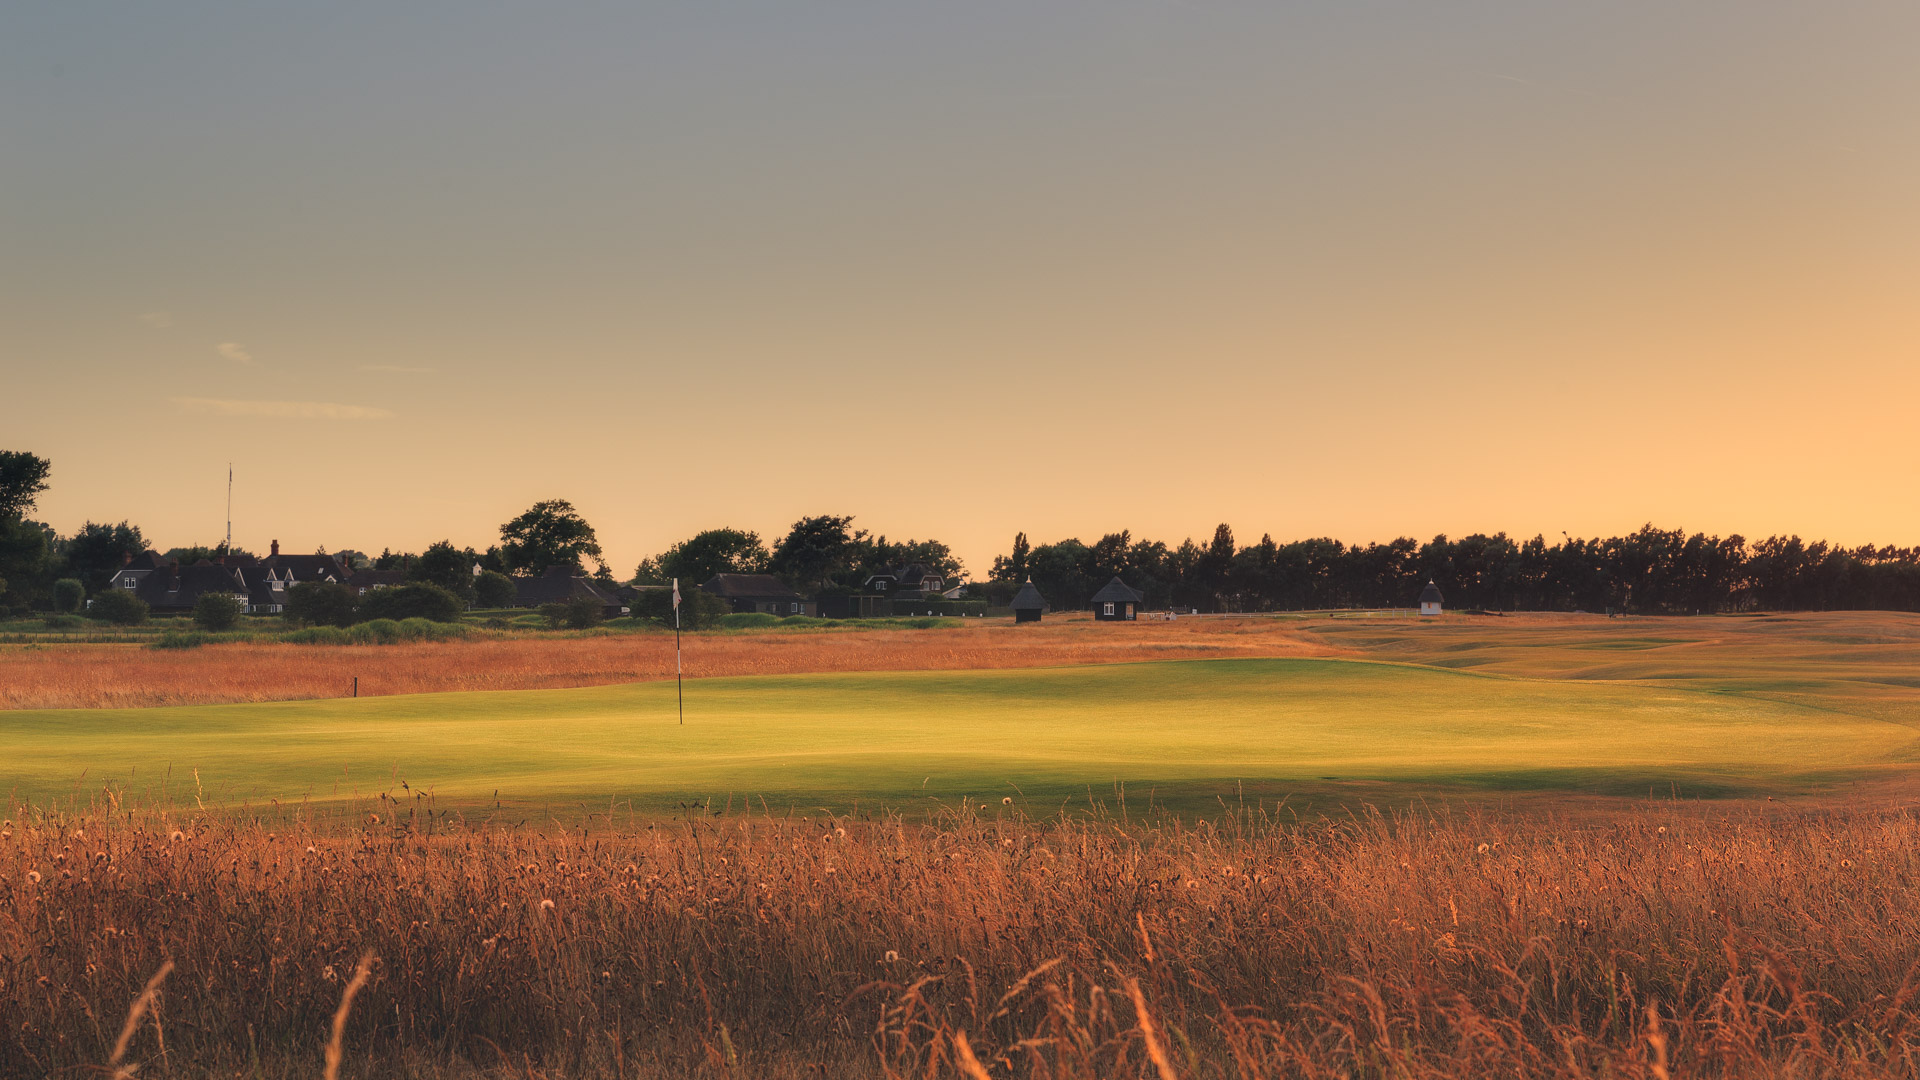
<point x="417" y="601"/>
<point x="493" y="590"/>
<point x="579" y="613"/>
<point x="374" y="632"/>
<point x="62" y="622"/>
<point x="216" y="611"/>
<point x="68" y="595"/>
<point x="119" y="607"/>
<point x="746" y="620"/>
<point x="179" y="639"/>
<point x="317" y="635"/>
<point x="314" y="603"/>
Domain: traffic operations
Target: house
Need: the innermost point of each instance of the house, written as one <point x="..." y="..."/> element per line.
<point x="177" y="588"/>
<point x="1117" y="602"/>
<point x="912" y="581"/>
<point x="1028" y="605"/>
<point x="1430" y="599"/>
<point x="563" y="584"/>
<point x="361" y="581"/>
<point x="135" y="567"/>
<point x="267" y="580"/>
<point x="759" y="592"/>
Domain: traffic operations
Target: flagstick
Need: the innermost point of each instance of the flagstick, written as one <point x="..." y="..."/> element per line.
<point x="679" y="691"/>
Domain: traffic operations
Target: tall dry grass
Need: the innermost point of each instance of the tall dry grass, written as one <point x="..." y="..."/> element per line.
<point x="1649" y="943"/>
<point x="119" y="676"/>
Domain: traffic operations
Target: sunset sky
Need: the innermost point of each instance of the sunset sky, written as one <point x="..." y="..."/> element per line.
<point x="1361" y="269"/>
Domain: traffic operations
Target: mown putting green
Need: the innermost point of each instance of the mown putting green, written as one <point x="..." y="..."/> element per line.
<point x="1183" y="732"/>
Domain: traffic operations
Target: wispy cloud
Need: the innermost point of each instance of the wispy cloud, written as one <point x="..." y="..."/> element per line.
<point x="159" y="320"/>
<point x="297" y="410"/>
<point x="232" y="350"/>
<point x="398" y="369"/>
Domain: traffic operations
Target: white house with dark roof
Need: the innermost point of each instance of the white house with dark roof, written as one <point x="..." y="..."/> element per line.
<point x="1430" y="599"/>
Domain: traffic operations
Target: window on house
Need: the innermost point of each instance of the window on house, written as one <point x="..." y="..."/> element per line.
<point x="127" y="583"/>
<point x="796" y="606"/>
<point x="1109" y="610"/>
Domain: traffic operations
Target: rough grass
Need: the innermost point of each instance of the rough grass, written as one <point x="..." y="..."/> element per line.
<point x="1657" y="942"/>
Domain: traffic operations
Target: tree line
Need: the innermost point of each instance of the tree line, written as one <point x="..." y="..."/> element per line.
<point x="1651" y="571"/>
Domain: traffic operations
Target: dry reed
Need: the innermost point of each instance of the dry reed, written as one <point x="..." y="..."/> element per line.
<point x="1652" y="942"/>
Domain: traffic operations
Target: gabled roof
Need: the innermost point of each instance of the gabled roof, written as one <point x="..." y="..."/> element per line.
<point x="171" y="588"/>
<point x="750" y="586"/>
<point x="1430" y="594"/>
<point x="307" y="567"/>
<point x="1118" y="592"/>
<point x="1028" y="599"/>
<point x="146" y="560"/>
<point x="552" y="588"/>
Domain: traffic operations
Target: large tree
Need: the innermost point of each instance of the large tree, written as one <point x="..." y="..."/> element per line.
<point x="98" y="550"/>
<point x="550" y="533"/>
<point x="819" y="551"/>
<point x="447" y="566"/>
<point x="22" y="478"/>
<point x="713" y="551"/>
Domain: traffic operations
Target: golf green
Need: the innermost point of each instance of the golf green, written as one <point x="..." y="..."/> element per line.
<point x="1178" y="732"/>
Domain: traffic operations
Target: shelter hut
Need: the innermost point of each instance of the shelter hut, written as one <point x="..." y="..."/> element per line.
<point x="1028" y="604"/>
<point x="1117" y="602"/>
<point x="1430" y="599"/>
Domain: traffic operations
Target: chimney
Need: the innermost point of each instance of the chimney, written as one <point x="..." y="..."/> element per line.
<point x="219" y="560"/>
<point x="126" y="558"/>
<point x="276" y="549"/>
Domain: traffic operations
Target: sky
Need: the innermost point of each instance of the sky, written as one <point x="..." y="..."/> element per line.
<point x="1361" y="268"/>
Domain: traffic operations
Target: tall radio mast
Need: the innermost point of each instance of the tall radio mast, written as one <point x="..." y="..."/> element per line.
<point x="228" y="550"/>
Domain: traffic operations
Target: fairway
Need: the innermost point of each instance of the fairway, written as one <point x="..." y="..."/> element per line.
<point x="1184" y="731"/>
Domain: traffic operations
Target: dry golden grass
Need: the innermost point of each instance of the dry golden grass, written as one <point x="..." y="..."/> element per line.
<point x="1655" y="941"/>
<point x="119" y="676"/>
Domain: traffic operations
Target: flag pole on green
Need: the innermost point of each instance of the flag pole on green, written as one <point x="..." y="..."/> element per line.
<point x="678" y="691"/>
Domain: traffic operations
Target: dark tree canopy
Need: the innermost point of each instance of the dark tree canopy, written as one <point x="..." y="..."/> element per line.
<point x="696" y="560"/>
<point x="416" y="601"/>
<point x="319" y="603"/>
<point x="447" y="566"/>
<point x="216" y="611"/>
<point x="1651" y="571"/>
<point x="493" y="590"/>
<point x="98" y="550"/>
<point x="22" y="478"/>
<point x="819" y="551"/>
<point x="119" y="607"/>
<point x="550" y="533"/>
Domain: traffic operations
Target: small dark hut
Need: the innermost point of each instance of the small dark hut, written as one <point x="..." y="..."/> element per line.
<point x="1117" y="602"/>
<point x="1028" y="604"/>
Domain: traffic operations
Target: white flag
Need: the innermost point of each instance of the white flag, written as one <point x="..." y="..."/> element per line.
<point x="676" y="594"/>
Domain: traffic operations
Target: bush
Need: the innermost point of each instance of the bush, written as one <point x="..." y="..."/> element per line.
<point x="374" y="632"/>
<point x="579" y="613"/>
<point x="747" y="620"/>
<point x="494" y="590"/>
<point x="216" y="611"/>
<point x="317" y="635"/>
<point x="179" y="639"/>
<point x="314" y="603"/>
<point x="416" y="601"/>
<point x="68" y="595"/>
<point x="119" y="607"/>
<point x="62" y="622"/>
